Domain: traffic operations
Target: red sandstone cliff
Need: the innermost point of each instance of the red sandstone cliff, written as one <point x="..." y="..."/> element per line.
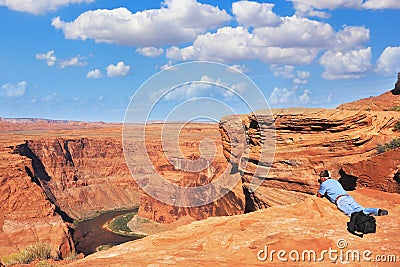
<point x="190" y="137"/>
<point x="56" y="177"/>
<point x="308" y="141"/>
<point x="82" y="175"/>
<point x="26" y="214"/>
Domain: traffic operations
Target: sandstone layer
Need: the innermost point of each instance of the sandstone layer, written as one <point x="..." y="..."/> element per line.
<point x="308" y="141"/>
<point x="81" y="175"/>
<point x="170" y="168"/>
<point x="314" y="224"/>
<point x="26" y="214"/>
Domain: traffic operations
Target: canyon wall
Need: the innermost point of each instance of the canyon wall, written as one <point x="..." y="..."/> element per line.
<point x="26" y="214"/>
<point x="308" y="141"/>
<point x="180" y="171"/>
<point x="54" y="178"/>
<point x="82" y="176"/>
<point x="50" y="178"/>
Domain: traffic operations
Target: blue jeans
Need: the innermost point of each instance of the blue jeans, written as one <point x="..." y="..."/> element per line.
<point x="348" y="205"/>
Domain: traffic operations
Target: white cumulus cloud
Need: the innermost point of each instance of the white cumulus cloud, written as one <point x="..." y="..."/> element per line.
<point x="381" y="4"/>
<point x="118" y="70"/>
<point x="352" y="64"/>
<point x="206" y="87"/>
<point x="288" y="72"/>
<point x="296" y="32"/>
<point x="289" y="96"/>
<point x="150" y="51"/>
<point x="94" y="74"/>
<point x="227" y="44"/>
<point x="285" y="71"/>
<point x="301" y="77"/>
<point x="388" y="63"/>
<point x="281" y="96"/>
<point x="168" y="66"/>
<point x="74" y="61"/>
<point x="295" y="41"/>
<point x="49" y="57"/>
<point x="351" y="37"/>
<point x="249" y="13"/>
<point x="316" y="7"/>
<point x="177" y="21"/>
<point x="305" y="97"/>
<point x="231" y="44"/>
<point x="38" y="7"/>
<point x="14" y="90"/>
<point x="52" y="60"/>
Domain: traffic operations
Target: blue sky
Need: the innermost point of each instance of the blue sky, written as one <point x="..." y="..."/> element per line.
<point x="84" y="59"/>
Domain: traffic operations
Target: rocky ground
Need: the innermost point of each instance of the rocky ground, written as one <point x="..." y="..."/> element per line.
<point x="314" y="224"/>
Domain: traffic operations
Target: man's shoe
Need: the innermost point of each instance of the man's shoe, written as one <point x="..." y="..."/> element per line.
<point x="382" y="212"/>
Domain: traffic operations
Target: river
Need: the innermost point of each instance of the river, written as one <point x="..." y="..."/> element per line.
<point x="90" y="234"/>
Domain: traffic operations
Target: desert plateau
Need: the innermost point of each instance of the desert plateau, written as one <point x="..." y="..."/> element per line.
<point x="55" y="174"/>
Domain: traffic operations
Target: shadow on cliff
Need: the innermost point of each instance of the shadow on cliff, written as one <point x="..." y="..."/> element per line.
<point x="348" y="182"/>
<point x="40" y="177"/>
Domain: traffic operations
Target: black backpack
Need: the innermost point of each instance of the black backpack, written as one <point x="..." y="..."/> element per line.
<point x="361" y="223"/>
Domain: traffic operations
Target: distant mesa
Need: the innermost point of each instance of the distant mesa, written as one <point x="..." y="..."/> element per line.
<point x="29" y="124"/>
<point x="33" y="120"/>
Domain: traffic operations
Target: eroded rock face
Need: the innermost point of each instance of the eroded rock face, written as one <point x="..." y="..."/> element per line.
<point x="308" y="141"/>
<point x="377" y="172"/>
<point x="192" y="173"/>
<point x="26" y="214"/>
<point x="54" y="178"/>
<point x="82" y="176"/>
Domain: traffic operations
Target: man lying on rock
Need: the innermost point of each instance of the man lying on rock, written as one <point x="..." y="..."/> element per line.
<point x="334" y="191"/>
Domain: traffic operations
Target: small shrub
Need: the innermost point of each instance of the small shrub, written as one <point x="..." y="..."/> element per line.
<point x="395" y="143"/>
<point x="397" y="126"/>
<point x="395" y="108"/>
<point x="39" y="251"/>
<point x="44" y="264"/>
<point x="380" y="149"/>
<point x="12" y="259"/>
<point x="73" y="256"/>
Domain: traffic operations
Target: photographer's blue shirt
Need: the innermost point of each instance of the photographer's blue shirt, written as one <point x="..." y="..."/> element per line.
<point x="332" y="188"/>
